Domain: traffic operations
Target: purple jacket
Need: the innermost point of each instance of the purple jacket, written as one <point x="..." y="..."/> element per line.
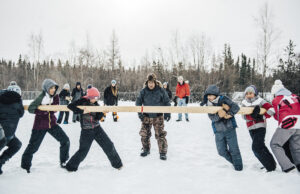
<point x="45" y="119"/>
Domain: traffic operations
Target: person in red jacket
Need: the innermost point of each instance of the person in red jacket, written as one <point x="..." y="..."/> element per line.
<point x="287" y="113"/>
<point x="256" y="124"/>
<point x="183" y="95"/>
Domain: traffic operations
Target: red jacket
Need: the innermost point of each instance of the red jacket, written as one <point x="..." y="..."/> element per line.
<point x="182" y="90"/>
<point x="287" y="111"/>
<point x="258" y="101"/>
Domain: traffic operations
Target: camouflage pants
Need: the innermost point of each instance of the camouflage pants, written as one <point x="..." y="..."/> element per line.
<point x="160" y="133"/>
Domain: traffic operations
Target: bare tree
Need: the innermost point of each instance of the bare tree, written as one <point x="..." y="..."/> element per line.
<point x="267" y="36"/>
<point x="113" y="52"/>
<point x="36" y="46"/>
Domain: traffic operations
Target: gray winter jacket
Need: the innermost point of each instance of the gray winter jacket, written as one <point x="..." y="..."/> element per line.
<point x="156" y="97"/>
<point x="221" y="124"/>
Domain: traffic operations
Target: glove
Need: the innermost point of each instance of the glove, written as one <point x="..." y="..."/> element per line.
<point x="167" y="116"/>
<point x="187" y="99"/>
<point x="221" y="113"/>
<point x="226" y="107"/>
<point x="141" y="116"/>
<point x="255" y="112"/>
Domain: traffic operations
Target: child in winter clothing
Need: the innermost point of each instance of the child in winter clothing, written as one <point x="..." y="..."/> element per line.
<point x="111" y="96"/>
<point x="153" y="95"/>
<point x="44" y="122"/>
<point x="256" y="124"/>
<point x="77" y="93"/>
<point x="91" y="130"/>
<point x="64" y="99"/>
<point x="287" y="113"/>
<point x="183" y="95"/>
<point x="224" y="126"/>
<point x="11" y="110"/>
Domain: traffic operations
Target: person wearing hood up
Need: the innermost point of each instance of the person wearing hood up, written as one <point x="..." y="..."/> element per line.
<point x="64" y="99"/>
<point x="287" y="113"/>
<point x="224" y="126"/>
<point x="45" y="122"/>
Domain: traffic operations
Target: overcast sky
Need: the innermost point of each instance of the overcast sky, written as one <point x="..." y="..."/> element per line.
<point x="139" y="24"/>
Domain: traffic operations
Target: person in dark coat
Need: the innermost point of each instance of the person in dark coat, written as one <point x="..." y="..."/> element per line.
<point x="45" y="121"/>
<point x="11" y="110"/>
<point x="166" y="87"/>
<point x="64" y="99"/>
<point x="91" y="130"/>
<point x="77" y="93"/>
<point x="153" y="95"/>
<point x="111" y="97"/>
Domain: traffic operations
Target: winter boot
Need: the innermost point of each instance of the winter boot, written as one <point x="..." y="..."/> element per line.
<point x="178" y="120"/>
<point x="66" y="122"/>
<point x="187" y="120"/>
<point x="1" y="169"/>
<point x="26" y="168"/>
<point x="103" y="118"/>
<point x="290" y="169"/>
<point x="163" y="156"/>
<point x="145" y="152"/>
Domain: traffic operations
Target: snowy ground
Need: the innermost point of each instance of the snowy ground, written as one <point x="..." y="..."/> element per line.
<point x="193" y="165"/>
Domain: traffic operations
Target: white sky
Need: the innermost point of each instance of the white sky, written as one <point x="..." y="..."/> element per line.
<point x="139" y="24"/>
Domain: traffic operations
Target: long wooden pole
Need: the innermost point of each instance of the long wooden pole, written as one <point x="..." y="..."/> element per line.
<point x="148" y="109"/>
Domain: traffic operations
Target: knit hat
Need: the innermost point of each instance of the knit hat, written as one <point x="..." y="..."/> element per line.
<point x="78" y="84"/>
<point x="89" y="86"/>
<point x="151" y="77"/>
<point x="180" y="78"/>
<point x="277" y="86"/>
<point x="165" y="83"/>
<point x="12" y="83"/>
<point x="66" y="86"/>
<point x="15" y="88"/>
<point x="251" y="89"/>
<point x="113" y="81"/>
<point x="93" y="93"/>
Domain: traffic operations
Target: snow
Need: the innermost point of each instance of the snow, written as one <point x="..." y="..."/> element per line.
<point x="193" y="165"/>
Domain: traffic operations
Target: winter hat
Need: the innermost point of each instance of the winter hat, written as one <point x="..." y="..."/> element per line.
<point x="151" y="77"/>
<point x="89" y="86"/>
<point x="251" y="89"/>
<point x="165" y="83"/>
<point x="78" y="84"/>
<point x="12" y="83"/>
<point x="92" y="93"/>
<point x="187" y="81"/>
<point x="277" y="86"/>
<point x="180" y="78"/>
<point x="15" y="88"/>
<point x="113" y="81"/>
<point x="66" y="86"/>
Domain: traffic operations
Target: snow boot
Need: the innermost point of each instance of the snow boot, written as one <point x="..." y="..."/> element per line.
<point x="1" y="169"/>
<point x="145" y="152"/>
<point x="26" y="168"/>
<point x="163" y="156"/>
<point x="115" y="116"/>
<point x="66" y="122"/>
<point x="178" y="120"/>
<point x="290" y="169"/>
<point x="103" y="118"/>
<point x="187" y="120"/>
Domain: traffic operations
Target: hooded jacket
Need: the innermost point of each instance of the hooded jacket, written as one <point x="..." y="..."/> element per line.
<point x="221" y="124"/>
<point x="44" y="119"/>
<point x="155" y="97"/>
<point x="11" y="110"/>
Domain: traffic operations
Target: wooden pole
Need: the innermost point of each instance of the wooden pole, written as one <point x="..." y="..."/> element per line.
<point x="148" y="109"/>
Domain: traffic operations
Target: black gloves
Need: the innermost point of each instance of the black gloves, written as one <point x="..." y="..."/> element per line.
<point x="167" y="116"/>
<point x="141" y="116"/>
<point x="255" y="114"/>
<point x="187" y="99"/>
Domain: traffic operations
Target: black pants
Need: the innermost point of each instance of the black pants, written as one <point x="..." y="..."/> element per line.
<point x="14" y="146"/>
<point x="36" y="139"/>
<point x="86" y="139"/>
<point x="260" y="150"/>
<point x="61" y="115"/>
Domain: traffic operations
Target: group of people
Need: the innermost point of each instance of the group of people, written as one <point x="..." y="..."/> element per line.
<point x="285" y="108"/>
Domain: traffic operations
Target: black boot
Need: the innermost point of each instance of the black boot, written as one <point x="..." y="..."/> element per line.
<point x="178" y="120"/>
<point x="298" y="167"/>
<point x="163" y="156"/>
<point x="145" y="152"/>
<point x="26" y="168"/>
<point x="1" y="169"/>
<point x="289" y="169"/>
